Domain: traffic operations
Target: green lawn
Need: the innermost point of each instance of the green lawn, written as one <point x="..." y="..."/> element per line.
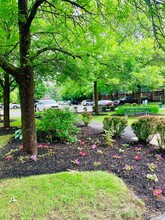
<point x="4" y="139"/>
<point x="131" y="119"/>
<point x="73" y="196"/>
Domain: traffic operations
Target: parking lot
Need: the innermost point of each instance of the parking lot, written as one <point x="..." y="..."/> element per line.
<point x="17" y="112"/>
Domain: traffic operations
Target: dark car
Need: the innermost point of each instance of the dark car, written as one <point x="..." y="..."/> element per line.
<point x="75" y="102"/>
<point x="128" y="99"/>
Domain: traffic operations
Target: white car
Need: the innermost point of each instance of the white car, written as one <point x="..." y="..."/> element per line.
<point x="87" y="102"/>
<point x="45" y="104"/>
<point x="14" y="105"/>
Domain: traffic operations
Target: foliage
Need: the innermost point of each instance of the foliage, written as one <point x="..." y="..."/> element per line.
<point x="114" y="124"/>
<point x="58" y="123"/>
<point x="18" y="134"/>
<point x="108" y="137"/>
<point x="145" y="127"/>
<point x="86" y="117"/>
<point x="103" y="108"/>
<point x="153" y="109"/>
<point x="161" y="133"/>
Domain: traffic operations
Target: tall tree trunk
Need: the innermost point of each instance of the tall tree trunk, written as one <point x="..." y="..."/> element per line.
<point x="26" y="90"/>
<point x="96" y="97"/>
<point x="139" y="94"/>
<point x="6" y="97"/>
<point x="26" y="81"/>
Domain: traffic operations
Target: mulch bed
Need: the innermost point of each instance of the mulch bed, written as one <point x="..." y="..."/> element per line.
<point x="91" y="152"/>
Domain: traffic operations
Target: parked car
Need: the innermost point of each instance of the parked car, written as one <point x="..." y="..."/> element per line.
<point x="87" y="102"/>
<point x="105" y="103"/>
<point x="128" y="99"/>
<point x="75" y="102"/>
<point x="116" y="102"/>
<point x="14" y="105"/>
<point x="65" y="102"/>
<point x="45" y="104"/>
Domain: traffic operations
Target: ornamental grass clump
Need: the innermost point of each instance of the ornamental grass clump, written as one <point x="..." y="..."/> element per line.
<point x="145" y="128"/>
<point x="161" y="133"/>
<point x="86" y="117"/>
<point x="114" y="124"/>
<point x="57" y="124"/>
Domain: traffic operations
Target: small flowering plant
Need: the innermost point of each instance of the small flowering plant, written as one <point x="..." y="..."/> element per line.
<point x="83" y="154"/>
<point x="152" y="177"/>
<point x="152" y="166"/>
<point x="158" y="157"/>
<point x="116" y="156"/>
<point x="94" y="146"/>
<point x="125" y="145"/>
<point x="9" y="157"/>
<point x="157" y="192"/>
<point x="34" y="157"/>
<point x="138" y="148"/>
<point x="137" y="157"/>
<point x="99" y="151"/>
<point x="75" y="162"/>
<point x="128" y="168"/>
<point x="97" y="163"/>
<point x="121" y="150"/>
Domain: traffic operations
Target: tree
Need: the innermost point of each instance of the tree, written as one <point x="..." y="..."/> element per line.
<point x="8" y="84"/>
<point x="69" y="16"/>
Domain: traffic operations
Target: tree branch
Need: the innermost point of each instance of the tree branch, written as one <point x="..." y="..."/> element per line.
<point x="34" y="11"/>
<point x="9" y="68"/>
<point x="54" y="49"/>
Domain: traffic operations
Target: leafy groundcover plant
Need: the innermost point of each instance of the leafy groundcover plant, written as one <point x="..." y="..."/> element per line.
<point x="57" y="124"/>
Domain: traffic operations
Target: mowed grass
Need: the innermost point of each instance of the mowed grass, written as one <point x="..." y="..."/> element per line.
<point x="4" y="139"/>
<point x="69" y="195"/>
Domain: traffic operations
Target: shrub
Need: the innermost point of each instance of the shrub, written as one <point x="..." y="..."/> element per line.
<point x="134" y="104"/>
<point x="145" y="127"/>
<point x="57" y="124"/>
<point x="114" y="124"/>
<point x="161" y="133"/>
<point x="150" y="109"/>
<point x="112" y="107"/>
<point x="86" y="117"/>
<point x="103" y="108"/>
<point x="85" y="109"/>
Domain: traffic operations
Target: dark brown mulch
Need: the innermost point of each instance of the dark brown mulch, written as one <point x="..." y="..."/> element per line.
<point x="60" y="157"/>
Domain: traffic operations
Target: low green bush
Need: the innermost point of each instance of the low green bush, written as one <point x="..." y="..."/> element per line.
<point x="57" y="124"/>
<point x="114" y="124"/>
<point x="86" y="117"/>
<point x="103" y="108"/>
<point x="161" y="133"/>
<point x="112" y="107"/>
<point x="153" y="109"/>
<point x="145" y="127"/>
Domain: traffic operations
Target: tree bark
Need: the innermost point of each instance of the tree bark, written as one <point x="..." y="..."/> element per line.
<point x="26" y="90"/>
<point x="96" y="97"/>
<point x="6" y="97"/>
<point x="26" y="78"/>
<point x="139" y="94"/>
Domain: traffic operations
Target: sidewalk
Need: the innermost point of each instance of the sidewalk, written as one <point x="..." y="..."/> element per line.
<point x="127" y="134"/>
